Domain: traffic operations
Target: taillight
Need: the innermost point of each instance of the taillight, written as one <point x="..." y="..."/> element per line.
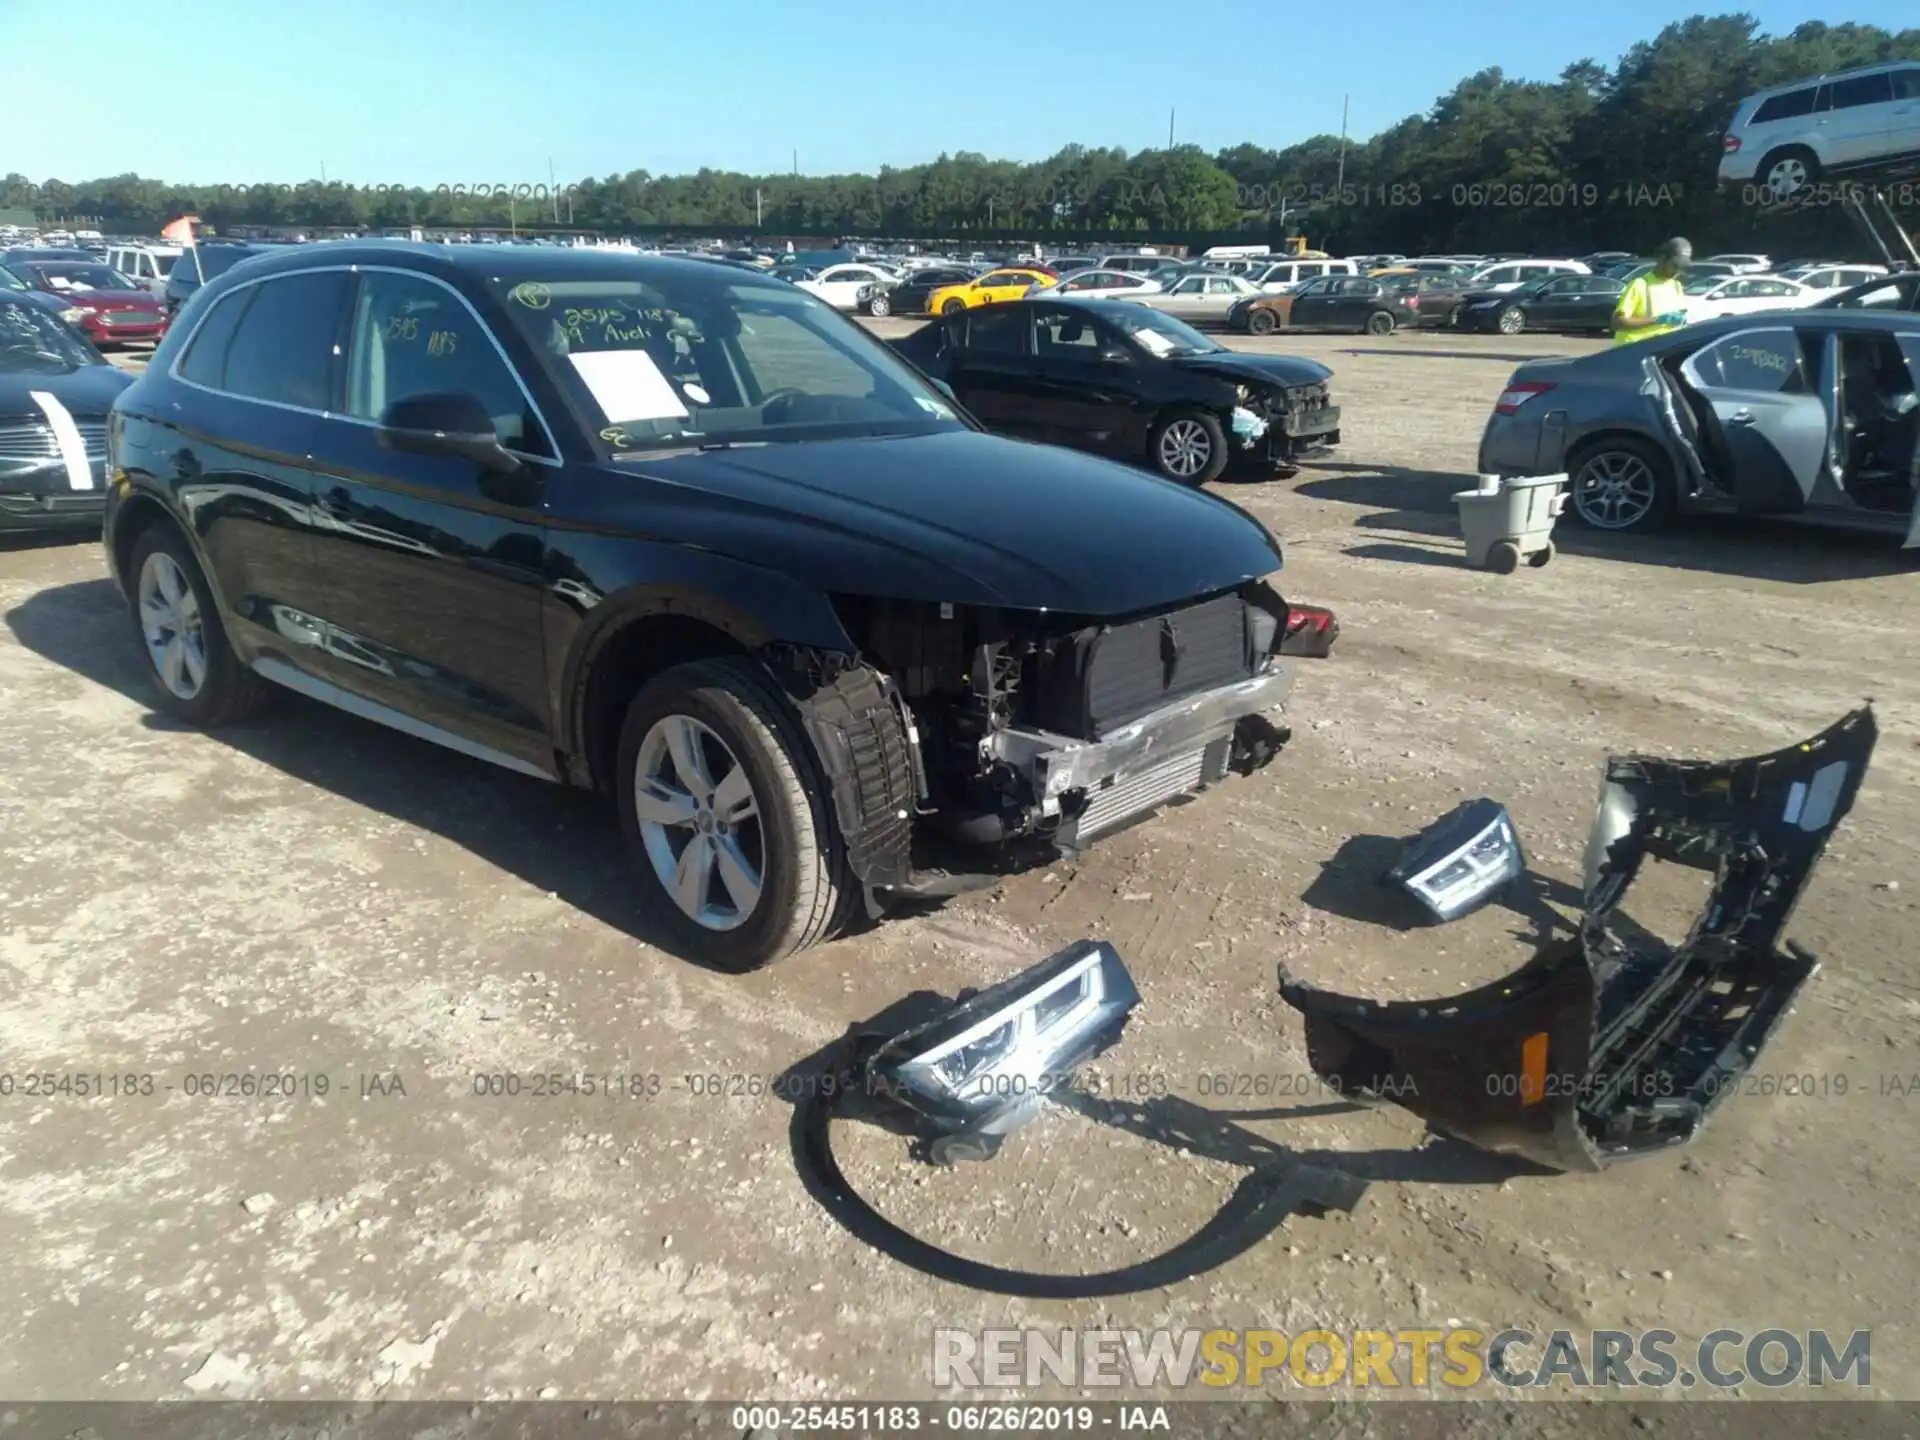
<point x="1730" y="144"/>
<point x="1517" y="393"/>
<point x="1413" y="302"/>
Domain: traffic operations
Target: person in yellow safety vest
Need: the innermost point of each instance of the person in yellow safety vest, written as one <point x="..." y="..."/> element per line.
<point x="1655" y="303"/>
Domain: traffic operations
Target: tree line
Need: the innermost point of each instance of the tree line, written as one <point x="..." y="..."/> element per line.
<point x="1613" y="158"/>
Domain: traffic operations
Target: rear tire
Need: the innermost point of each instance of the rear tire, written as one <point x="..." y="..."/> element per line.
<point x="196" y="675"/>
<point x="1788" y="171"/>
<point x="1379" y="323"/>
<point x="1188" y="447"/>
<point x="1262" y="322"/>
<point x="772" y="877"/>
<point x="1621" y="484"/>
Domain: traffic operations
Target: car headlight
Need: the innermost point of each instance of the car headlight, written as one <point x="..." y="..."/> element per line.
<point x="73" y="315"/>
<point x="981" y="1068"/>
<point x="1462" y="860"/>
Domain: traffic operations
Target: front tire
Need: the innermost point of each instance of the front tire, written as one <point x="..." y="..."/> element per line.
<point x="880" y="306"/>
<point x="1786" y="172"/>
<point x="728" y="818"/>
<point x="1623" y="485"/>
<point x="1512" y="321"/>
<point x="1262" y="322"/>
<point x="197" y="676"/>
<point x="952" y="307"/>
<point x="1188" y="447"/>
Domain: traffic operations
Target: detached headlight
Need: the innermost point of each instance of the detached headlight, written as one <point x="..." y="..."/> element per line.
<point x="977" y="1072"/>
<point x="1247" y="426"/>
<point x="73" y="315"/>
<point x="1462" y="860"/>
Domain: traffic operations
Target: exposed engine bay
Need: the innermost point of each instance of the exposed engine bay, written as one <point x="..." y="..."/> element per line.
<point x="980" y="727"/>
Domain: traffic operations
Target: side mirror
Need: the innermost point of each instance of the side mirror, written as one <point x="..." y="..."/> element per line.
<point x="446" y="424"/>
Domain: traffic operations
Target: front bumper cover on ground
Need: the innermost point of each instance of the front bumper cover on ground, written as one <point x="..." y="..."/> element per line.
<point x="1615" y="1044"/>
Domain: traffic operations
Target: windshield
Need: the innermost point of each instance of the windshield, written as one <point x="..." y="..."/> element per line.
<point x="1159" y="334"/>
<point x="681" y="360"/>
<point x="33" y="342"/>
<point x="83" y="277"/>
<point x="1703" y="284"/>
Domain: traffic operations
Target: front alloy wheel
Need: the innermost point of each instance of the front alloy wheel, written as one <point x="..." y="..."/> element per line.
<point x="1615" y="490"/>
<point x="880" y="305"/>
<point x="1185" y="449"/>
<point x="1512" y="321"/>
<point x="171" y="625"/>
<point x="699" y="822"/>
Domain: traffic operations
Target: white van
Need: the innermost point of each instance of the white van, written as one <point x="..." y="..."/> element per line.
<point x="145" y="265"/>
<point x="1512" y="274"/>
<point x="1284" y="276"/>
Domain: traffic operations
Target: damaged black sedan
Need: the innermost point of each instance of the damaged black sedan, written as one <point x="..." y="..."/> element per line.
<point x="1124" y="380"/>
<point x="683" y="534"/>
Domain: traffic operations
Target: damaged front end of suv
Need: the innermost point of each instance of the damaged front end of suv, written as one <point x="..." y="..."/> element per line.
<point x="961" y="738"/>
<point x="1615" y="1044"/>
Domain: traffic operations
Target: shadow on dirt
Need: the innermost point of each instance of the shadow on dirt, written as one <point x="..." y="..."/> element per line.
<point x="1420" y="502"/>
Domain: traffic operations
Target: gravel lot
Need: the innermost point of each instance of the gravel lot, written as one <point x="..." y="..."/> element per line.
<point x="315" y="896"/>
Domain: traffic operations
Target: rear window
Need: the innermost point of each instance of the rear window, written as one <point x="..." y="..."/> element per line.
<point x="1785" y="107"/>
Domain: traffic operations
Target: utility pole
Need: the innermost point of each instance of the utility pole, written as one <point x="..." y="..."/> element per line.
<point x="553" y="189"/>
<point x="323" y="172"/>
<point x="1340" y="177"/>
<point x="1170" y="127"/>
<point x="796" y="164"/>
<point x="756" y="207"/>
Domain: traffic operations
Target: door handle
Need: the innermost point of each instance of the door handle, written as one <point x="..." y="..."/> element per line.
<point x="1740" y="417"/>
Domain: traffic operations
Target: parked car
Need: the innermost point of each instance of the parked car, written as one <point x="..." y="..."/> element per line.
<point x="1261" y="314"/>
<point x="1740" y="264"/>
<point x="1832" y="277"/>
<point x="621" y="522"/>
<point x="146" y="265"/>
<point x="1512" y="274"/>
<point x="1808" y="413"/>
<point x="113" y="309"/>
<point x="910" y="296"/>
<point x="1353" y="304"/>
<point x="844" y="286"/>
<point x="12" y="287"/>
<point x="990" y="289"/>
<point x="208" y="260"/>
<point x="1204" y="297"/>
<point x="1708" y="298"/>
<point x="1900" y="291"/>
<point x="31" y="254"/>
<point x="1130" y="382"/>
<point x="1107" y="285"/>
<point x="1784" y="140"/>
<point x="1277" y="276"/>
<point x="1572" y="303"/>
<point x="1438" y="296"/>
<point x="1139" y="264"/>
<point x="55" y="390"/>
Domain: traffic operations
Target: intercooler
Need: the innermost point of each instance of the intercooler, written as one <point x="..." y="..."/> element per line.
<point x="1105" y="676"/>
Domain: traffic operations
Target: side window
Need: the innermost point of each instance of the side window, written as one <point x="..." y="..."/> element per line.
<point x="1784" y="107"/>
<point x="1906" y="84"/>
<point x="1220" y="287"/>
<point x="997" y="330"/>
<point x="1764" y="360"/>
<point x="283" y="349"/>
<point x="1863" y="90"/>
<point x="412" y="336"/>
<point x="205" y="362"/>
<point x="1066" y="336"/>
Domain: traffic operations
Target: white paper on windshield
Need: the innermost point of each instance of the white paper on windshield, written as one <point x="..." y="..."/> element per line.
<point x="627" y="385"/>
<point x="1154" y="341"/>
<point x="66" y="434"/>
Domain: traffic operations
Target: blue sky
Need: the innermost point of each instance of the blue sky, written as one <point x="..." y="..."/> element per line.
<point x="487" y="92"/>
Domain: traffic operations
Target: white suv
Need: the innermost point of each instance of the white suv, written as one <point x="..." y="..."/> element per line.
<point x="1281" y="276"/>
<point x="1511" y="274"/>
<point x="1784" y="139"/>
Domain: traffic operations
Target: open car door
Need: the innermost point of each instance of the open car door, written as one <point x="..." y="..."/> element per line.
<point x="1910" y="347"/>
<point x="1765" y="425"/>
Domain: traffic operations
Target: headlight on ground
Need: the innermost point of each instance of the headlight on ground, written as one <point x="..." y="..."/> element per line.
<point x="1462" y="860"/>
<point x="976" y="1072"/>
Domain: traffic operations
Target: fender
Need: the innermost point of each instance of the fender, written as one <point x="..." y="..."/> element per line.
<point x="596" y="592"/>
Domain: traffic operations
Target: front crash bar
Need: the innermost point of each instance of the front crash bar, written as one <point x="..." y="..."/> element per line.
<point x="1603" y="1048"/>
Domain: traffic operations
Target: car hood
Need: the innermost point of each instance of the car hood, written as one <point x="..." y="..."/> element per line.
<point x="108" y="299"/>
<point x="959" y="516"/>
<point x="88" y="392"/>
<point x="1282" y="370"/>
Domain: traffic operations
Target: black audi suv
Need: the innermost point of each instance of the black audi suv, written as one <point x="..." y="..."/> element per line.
<point x="683" y="534"/>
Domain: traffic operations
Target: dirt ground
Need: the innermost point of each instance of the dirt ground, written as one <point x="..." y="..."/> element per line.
<point x="313" y="896"/>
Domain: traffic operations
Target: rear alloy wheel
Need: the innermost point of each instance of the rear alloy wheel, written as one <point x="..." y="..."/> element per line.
<point x="1621" y="486"/>
<point x="197" y="676"/>
<point x="1188" y="446"/>
<point x="1380" y="323"/>
<point x="728" y="818"/>
<point x="1263" y="322"/>
<point x="1512" y="321"/>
